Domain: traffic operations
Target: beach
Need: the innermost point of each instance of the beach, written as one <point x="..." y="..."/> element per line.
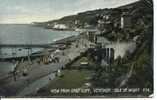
<point x="37" y="70"/>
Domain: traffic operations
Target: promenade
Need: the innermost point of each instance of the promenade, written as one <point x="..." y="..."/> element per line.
<point x="37" y="70"/>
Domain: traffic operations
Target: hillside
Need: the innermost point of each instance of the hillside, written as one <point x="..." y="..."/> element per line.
<point x="134" y="70"/>
<point x="88" y="17"/>
<point x="137" y="68"/>
<point x="84" y="17"/>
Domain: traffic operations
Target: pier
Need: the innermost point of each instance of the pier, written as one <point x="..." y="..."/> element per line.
<point x="37" y="70"/>
<point x="25" y="46"/>
<point x="28" y="45"/>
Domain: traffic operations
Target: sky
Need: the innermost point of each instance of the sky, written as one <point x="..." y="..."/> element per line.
<point x="27" y="11"/>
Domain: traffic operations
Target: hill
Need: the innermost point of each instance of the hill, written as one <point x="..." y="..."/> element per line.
<point x="86" y="18"/>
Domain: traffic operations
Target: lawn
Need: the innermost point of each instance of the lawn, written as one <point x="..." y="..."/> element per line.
<point x="71" y="79"/>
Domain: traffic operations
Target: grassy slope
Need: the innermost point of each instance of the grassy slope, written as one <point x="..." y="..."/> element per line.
<point x="70" y="79"/>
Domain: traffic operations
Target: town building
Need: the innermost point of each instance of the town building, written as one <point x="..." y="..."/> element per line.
<point x="105" y="24"/>
<point x="125" y="21"/>
<point x="102" y="56"/>
<point x="60" y="26"/>
<point x="90" y="34"/>
<point x="101" y="41"/>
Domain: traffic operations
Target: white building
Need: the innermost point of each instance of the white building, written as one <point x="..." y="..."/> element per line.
<point x="125" y="21"/>
<point x="60" y="26"/>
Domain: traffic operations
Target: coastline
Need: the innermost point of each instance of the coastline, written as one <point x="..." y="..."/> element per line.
<point x="37" y="72"/>
<point x="62" y="40"/>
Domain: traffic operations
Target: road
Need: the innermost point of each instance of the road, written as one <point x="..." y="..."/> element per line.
<point x="37" y="71"/>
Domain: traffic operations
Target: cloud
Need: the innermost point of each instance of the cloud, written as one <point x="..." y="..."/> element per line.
<point x="23" y="19"/>
<point x="12" y="11"/>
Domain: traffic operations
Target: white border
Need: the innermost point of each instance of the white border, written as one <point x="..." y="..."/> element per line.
<point x="155" y="73"/>
<point x="155" y="48"/>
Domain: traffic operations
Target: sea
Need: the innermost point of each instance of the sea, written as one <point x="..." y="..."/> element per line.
<point x="26" y="34"/>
